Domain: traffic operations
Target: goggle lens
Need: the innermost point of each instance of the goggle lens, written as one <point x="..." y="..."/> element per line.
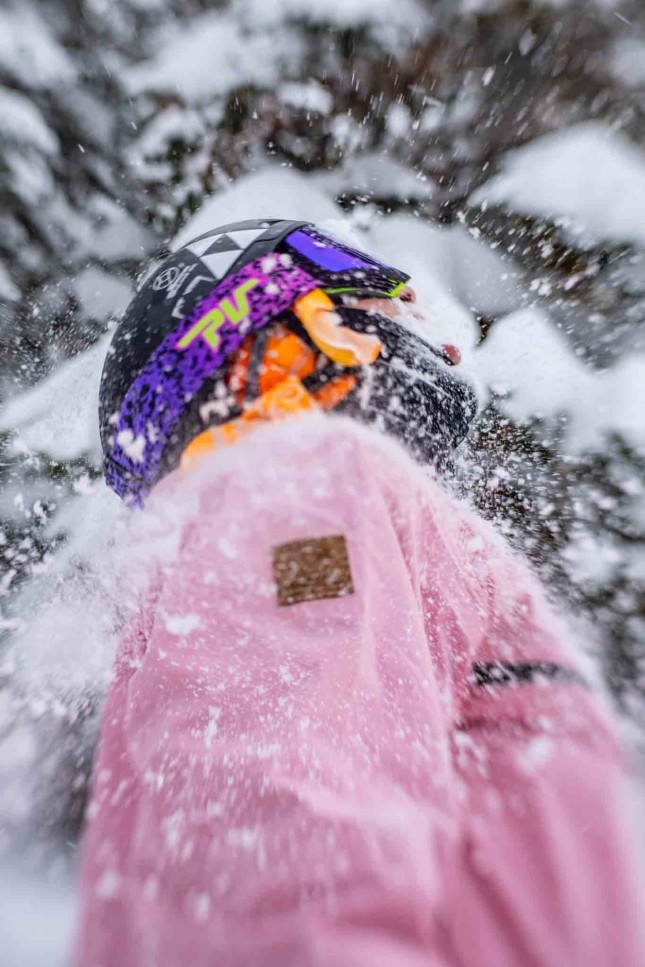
<point x="327" y="254"/>
<point x="334" y="256"/>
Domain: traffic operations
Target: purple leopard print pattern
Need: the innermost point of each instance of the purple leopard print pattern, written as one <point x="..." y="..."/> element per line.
<point x="155" y="401"/>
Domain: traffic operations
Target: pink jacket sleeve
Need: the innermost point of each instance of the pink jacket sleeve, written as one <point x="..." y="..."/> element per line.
<point x="544" y="873"/>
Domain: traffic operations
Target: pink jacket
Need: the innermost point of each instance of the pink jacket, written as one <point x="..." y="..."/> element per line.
<point x="410" y="770"/>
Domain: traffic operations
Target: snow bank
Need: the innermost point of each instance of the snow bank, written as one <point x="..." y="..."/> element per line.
<point x="274" y="192"/>
<point x="59" y="416"/>
<point x="30" y="176"/>
<point x="373" y="173"/>
<point x="456" y="275"/>
<point x="101" y="294"/>
<point x="8" y="290"/>
<point x="244" y="44"/>
<point x="589" y="178"/>
<point x="68" y="613"/>
<point x="23" y="903"/>
<point x="173" y="122"/>
<point x="406" y="15"/>
<point x="28" y="51"/>
<point x="116" y="236"/>
<point x="211" y="55"/>
<point x="310" y="96"/>
<point x="627" y="61"/>
<point x="102" y="230"/>
<point x="527" y="359"/>
<point x="23" y="123"/>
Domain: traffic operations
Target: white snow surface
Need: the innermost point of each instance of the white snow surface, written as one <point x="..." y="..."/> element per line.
<point x="374" y="173"/>
<point x="526" y="357"/>
<point x="627" y="61"/>
<point x="23" y="123"/>
<point x="221" y="50"/>
<point x="118" y="235"/>
<point x="101" y="294"/>
<point x="24" y="944"/>
<point x="405" y="15"/>
<point x="213" y="54"/>
<point x="589" y="178"/>
<point x="173" y="122"/>
<point x="59" y="416"/>
<point x="8" y="290"/>
<point x="103" y="231"/>
<point x="274" y="192"/>
<point x="310" y="96"/>
<point x="455" y="273"/>
<point x="28" y="51"/>
<point x="30" y="176"/>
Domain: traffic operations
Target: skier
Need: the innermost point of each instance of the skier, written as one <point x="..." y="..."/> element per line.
<point x="344" y="726"/>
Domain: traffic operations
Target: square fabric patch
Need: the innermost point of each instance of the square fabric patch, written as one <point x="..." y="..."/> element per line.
<point x="312" y="569"/>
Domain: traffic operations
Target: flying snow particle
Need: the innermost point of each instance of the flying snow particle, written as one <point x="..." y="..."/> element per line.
<point x="133" y="447"/>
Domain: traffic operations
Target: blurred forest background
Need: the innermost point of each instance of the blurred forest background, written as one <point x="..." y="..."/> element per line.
<point x="119" y="116"/>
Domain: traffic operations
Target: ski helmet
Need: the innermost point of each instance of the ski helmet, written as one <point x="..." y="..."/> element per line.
<point x="190" y="352"/>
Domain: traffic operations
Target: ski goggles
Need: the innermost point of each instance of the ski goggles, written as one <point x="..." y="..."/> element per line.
<point x="341" y="269"/>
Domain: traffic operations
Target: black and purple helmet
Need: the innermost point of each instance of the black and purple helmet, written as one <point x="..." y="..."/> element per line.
<point x="163" y="381"/>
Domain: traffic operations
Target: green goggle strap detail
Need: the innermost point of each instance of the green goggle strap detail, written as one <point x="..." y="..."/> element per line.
<point x="357" y="289"/>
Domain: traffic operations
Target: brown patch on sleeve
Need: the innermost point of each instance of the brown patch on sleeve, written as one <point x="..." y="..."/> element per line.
<point x="312" y="569"/>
